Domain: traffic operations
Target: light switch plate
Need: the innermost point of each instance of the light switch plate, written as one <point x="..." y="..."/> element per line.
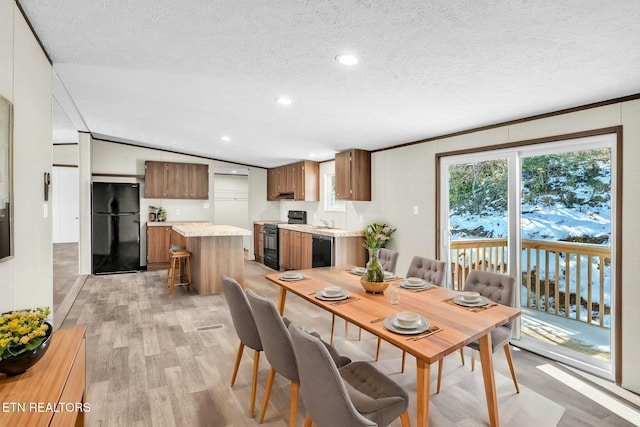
<point x="177" y="212"/>
<point x="415" y="210"/>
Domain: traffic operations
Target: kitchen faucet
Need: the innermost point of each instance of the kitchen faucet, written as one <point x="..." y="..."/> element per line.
<point x="326" y="223"/>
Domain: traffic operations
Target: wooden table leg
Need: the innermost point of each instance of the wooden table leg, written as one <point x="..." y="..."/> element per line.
<point x="486" y="358"/>
<point x="283" y="299"/>
<point x="423" y="373"/>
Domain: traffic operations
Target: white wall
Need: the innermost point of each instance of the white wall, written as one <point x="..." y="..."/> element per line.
<point x="65" y="154"/>
<point x="25" y="80"/>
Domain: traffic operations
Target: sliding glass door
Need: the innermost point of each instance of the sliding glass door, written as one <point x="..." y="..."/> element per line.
<point x="543" y="214"/>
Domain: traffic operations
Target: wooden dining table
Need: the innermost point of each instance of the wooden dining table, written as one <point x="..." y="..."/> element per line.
<point x="451" y="326"/>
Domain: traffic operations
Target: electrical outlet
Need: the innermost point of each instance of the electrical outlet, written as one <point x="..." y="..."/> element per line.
<point x="205" y="205"/>
<point x="360" y="219"/>
<point x="415" y="210"/>
<point x="177" y="212"/>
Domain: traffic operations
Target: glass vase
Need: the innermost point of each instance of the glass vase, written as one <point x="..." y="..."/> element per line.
<point x="374" y="269"/>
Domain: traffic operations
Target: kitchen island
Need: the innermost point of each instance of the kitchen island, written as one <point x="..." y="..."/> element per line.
<point x="216" y="251"/>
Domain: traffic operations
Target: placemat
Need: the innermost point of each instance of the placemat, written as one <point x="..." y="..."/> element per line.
<point x="472" y="309"/>
<point x="432" y="330"/>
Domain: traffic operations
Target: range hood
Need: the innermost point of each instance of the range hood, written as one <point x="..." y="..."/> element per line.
<point x="285" y="196"/>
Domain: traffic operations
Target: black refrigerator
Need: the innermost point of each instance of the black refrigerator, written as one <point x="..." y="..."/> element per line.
<point x="115" y="227"/>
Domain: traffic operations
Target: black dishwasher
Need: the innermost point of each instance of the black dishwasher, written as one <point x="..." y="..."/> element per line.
<point x="322" y="251"/>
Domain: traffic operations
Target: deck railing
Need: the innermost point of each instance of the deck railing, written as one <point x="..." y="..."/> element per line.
<point x="548" y="270"/>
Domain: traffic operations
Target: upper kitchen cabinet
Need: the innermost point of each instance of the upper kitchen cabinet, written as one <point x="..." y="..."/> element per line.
<point x="297" y="181"/>
<point x="353" y="175"/>
<point x="167" y="180"/>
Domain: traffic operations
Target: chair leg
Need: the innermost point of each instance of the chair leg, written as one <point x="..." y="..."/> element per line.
<point x="462" y="356"/>
<point x="237" y="364"/>
<point x="254" y="382"/>
<point x="294" y="403"/>
<point x="333" y="326"/>
<point x="405" y="420"/>
<point x="473" y="360"/>
<point x="267" y="392"/>
<point x="404" y="358"/>
<point x="440" y="364"/>
<point x="507" y="352"/>
<point x="378" y="349"/>
<point x="307" y="420"/>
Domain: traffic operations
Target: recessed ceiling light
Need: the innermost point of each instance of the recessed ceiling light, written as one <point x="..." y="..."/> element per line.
<point x="312" y="154"/>
<point x="225" y="139"/>
<point x="234" y="171"/>
<point x="347" y="59"/>
<point x="284" y="100"/>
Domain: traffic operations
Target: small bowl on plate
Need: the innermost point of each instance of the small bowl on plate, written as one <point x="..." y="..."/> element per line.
<point x="332" y="291"/>
<point x="407" y="318"/>
<point x="414" y="280"/>
<point x="469" y="296"/>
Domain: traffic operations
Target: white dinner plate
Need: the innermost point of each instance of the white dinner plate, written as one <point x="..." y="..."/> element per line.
<point x="359" y="270"/>
<point x="338" y="295"/>
<point x="423" y="326"/>
<point x="319" y="295"/>
<point x="389" y="276"/>
<point x="408" y="285"/>
<point x="397" y="324"/>
<point x="291" y="278"/>
<point x="481" y="302"/>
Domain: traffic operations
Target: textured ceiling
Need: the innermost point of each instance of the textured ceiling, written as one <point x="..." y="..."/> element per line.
<point x="179" y="75"/>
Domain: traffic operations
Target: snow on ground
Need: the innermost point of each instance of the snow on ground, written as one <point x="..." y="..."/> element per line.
<point x="551" y="223"/>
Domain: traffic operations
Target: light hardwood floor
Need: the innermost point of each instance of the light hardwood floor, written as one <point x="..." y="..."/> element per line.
<point x="148" y="365"/>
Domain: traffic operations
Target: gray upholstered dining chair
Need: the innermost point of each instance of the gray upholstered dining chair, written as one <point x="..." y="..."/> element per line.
<point x="496" y="287"/>
<point x="388" y="259"/>
<point x="432" y="271"/>
<point x="246" y="329"/>
<point x="354" y="395"/>
<point x="279" y="350"/>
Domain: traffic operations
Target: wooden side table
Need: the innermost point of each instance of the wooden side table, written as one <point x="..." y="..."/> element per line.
<point x="53" y="391"/>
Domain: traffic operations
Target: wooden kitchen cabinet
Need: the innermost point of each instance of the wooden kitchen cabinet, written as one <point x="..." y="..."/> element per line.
<point x="301" y="181"/>
<point x="168" y="180"/>
<point x="353" y="175"/>
<point x="158" y="244"/>
<point x="284" y="249"/>
<point x="306" y="248"/>
<point x="295" y="250"/>
<point x="155" y="179"/>
<point x="258" y="242"/>
<point x="272" y="184"/>
<point x="198" y="181"/>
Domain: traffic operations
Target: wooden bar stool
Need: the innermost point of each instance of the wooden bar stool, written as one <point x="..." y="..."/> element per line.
<point x="179" y="268"/>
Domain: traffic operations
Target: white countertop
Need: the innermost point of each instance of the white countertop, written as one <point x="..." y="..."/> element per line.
<point x="322" y="230"/>
<point x="206" y="229"/>
<point x="172" y="223"/>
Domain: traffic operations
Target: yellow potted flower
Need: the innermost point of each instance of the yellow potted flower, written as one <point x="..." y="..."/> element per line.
<point x="24" y="336"/>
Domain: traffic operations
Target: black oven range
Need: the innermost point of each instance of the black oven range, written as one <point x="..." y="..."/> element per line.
<point x="270" y="231"/>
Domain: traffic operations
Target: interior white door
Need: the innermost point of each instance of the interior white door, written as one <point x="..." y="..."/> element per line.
<point x="65" y="204"/>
